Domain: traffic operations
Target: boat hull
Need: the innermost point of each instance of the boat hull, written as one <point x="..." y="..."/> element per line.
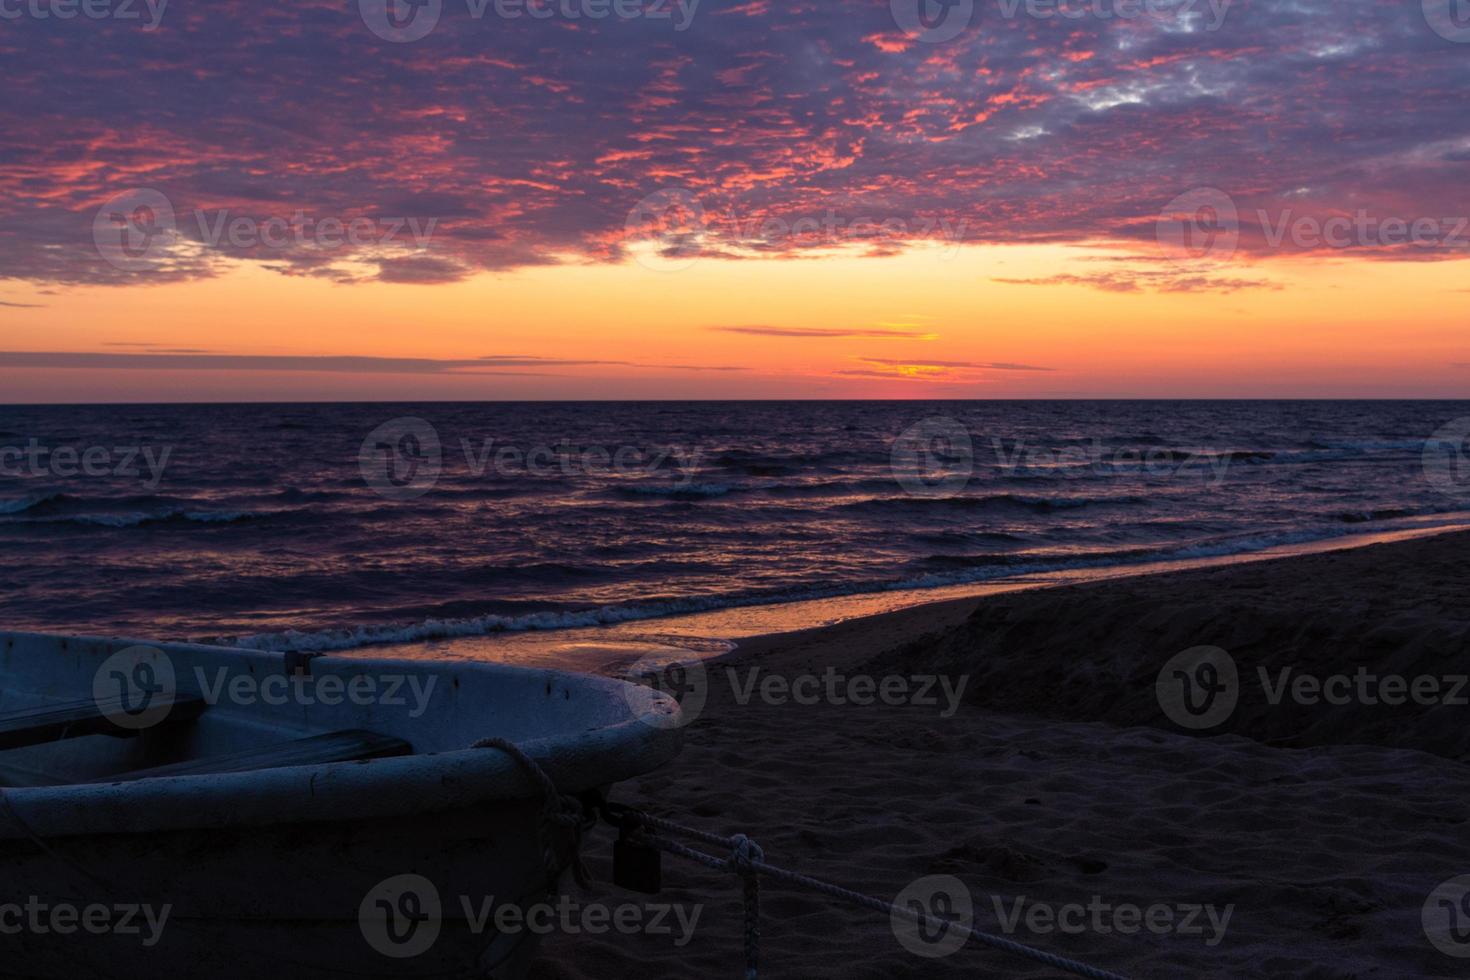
<point x="295" y="900"/>
<point x="411" y="866"/>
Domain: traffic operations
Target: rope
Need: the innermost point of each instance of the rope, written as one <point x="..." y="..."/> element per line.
<point x="743" y="859"/>
<point x="746" y="860"/>
<point x="750" y="864"/>
<point x="557" y="810"/>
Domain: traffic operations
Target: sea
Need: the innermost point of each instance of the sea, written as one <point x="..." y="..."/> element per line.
<point x="341" y="526"/>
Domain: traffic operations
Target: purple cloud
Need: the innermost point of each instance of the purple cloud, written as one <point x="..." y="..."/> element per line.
<point x="795" y="127"/>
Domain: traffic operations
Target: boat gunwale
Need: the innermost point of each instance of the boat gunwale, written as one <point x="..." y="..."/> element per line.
<point x="576" y="760"/>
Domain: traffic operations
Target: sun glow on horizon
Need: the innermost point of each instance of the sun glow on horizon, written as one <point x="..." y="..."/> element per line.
<point x="976" y="321"/>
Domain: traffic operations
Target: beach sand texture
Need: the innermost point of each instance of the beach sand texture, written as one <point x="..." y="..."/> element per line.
<point x="1061" y="781"/>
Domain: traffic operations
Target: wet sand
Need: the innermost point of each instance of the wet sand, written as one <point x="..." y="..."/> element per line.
<point x="1058" y="780"/>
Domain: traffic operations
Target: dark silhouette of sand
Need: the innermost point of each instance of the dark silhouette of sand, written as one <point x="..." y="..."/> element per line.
<point x="1060" y="780"/>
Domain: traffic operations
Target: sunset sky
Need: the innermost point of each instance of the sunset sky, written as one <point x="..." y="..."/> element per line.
<point x="735" y="199"/>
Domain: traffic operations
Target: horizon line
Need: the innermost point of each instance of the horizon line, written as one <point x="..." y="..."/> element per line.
<point x="727" y="401"/>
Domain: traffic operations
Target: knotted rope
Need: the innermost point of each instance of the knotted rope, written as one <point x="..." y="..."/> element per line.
<point x="746" y="855"/>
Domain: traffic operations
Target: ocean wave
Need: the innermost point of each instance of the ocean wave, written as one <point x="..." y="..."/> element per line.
<point x="354" y="637"/>
<point x="351" y="638"/>
<point x="968" y="537"/>
<point x="137" y="510"/>
<point x="1011" y="560"/>
<point x="1394" y="513"/>
<point x="1368" y="445"/>
<point x="127" y="520"/>
<point x="690" y="491"/>
<point x="70" y="503"/>
<point x="829" y="488"/>
<point x="756" y="463"/>
<point x="1004" y="501"/>
<point x="22" y="505"/>
<point x="769" y="488"/>
<point x="753" y="464"/>
<point x="295" y="495"/>
<point x="1381" y="453"/>
<point x="1221" y="547"/>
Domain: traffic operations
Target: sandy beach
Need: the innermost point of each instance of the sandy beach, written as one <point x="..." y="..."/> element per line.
<point x="1289" y="839"/>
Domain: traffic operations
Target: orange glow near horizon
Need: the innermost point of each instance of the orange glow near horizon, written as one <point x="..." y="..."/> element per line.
<point x="927" y="323"/>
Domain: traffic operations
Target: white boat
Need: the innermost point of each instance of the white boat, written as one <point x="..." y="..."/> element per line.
<point x="288" y="817"/>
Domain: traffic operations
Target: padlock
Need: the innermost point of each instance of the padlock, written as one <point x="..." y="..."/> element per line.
<point x="637" y="867"/>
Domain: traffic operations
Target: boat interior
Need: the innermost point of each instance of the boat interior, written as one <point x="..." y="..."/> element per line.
<point x="78" y="710"/>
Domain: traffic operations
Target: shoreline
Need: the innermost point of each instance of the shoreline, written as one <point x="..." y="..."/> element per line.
<point x="732" y="631"/>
